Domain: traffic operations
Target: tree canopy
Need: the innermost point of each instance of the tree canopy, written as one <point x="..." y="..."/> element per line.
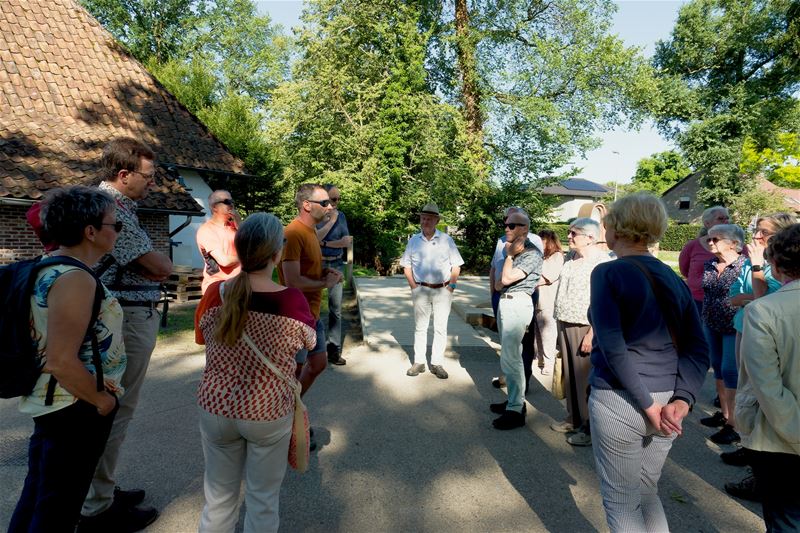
<point x="729" y="72"/>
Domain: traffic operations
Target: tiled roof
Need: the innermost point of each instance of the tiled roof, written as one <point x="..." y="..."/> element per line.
<point x="67" y="88"/>
<point x="576" y="187"/>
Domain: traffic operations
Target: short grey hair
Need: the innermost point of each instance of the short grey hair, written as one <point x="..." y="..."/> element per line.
<point x="732" y="232"/>
<point x="216" y="196"/>
<point x="589" y="226"/>
<point x="708" y="214"/>
<point x="67" y="211"/>
<point x="514" y="209"/>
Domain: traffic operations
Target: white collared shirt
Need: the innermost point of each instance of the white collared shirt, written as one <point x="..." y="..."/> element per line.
<point x="431" y="260"/>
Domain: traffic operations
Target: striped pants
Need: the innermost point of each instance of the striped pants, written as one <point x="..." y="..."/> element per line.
<point x="629" y="454"/>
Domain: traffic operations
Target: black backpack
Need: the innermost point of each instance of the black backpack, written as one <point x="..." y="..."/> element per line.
<point x="20" y="365"/>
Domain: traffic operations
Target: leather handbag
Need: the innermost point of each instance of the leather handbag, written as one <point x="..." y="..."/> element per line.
<point x="299" y="444"/>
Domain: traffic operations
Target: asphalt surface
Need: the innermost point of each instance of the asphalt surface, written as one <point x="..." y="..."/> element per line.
<point x="401" y="454"/>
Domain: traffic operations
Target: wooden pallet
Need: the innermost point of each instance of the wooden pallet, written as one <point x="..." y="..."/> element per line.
<point x="184" y="284"/>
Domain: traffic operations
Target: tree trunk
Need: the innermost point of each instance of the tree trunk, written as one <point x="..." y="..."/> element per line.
<point x="465" y="50"/>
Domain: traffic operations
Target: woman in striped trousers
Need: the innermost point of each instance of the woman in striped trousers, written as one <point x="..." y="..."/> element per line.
<point x="649" y="359"/>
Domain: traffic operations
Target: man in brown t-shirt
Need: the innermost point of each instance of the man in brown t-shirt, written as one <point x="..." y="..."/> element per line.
<point x="301" y="267"/>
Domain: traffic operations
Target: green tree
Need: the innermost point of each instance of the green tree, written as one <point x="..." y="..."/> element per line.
<point x="536" y="80"/>
<point x="358" y="113"/>
<point x="148" y="28"/>
<point x="220" y="59"/>
<point x="729" y="71"/>
<point x="755" y="202"/>
<point x="780" y="165"/>
<point x="659" y="172"/>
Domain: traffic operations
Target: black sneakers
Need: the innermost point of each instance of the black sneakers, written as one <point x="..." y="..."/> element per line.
<point x="509" y="420"/>
<point x="128" y="498"/>
<point x="745" y="489"/>
<point x="726" y="435"/>
<point x="735" y="458"/>
<point x="118" y="519"/>
<point x="500" y="408"/>
<point x="335" y="356"/>
<point x="714" y="421"/>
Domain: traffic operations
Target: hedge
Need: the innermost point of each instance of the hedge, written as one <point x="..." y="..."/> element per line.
<point x="674" y="239"/>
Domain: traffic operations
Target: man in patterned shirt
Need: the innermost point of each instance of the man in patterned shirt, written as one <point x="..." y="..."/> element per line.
<point x="132" y="272"/>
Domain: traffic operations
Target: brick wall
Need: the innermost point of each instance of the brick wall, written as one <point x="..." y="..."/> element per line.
<point x="18" y="241"/>
<point x="157" y="226"/>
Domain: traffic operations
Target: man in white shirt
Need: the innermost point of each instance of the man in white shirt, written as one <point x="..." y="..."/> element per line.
<point x="431" y="264"/>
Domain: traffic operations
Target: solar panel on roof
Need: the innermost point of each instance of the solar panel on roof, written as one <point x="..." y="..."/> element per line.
<point x="579" y="184"/>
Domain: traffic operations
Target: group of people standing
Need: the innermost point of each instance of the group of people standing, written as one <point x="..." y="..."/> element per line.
<point x="631" y="345"/>
<point x="244" y="317"/>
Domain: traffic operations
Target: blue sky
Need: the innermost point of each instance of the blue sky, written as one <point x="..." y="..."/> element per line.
<point x="639" y="23"/>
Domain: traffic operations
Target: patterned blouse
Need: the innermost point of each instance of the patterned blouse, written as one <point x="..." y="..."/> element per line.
<point x="236" y="383"/>
<point x="108" y="329"/>
<point x="717" y="310"/>
<point x="574" y="289"/>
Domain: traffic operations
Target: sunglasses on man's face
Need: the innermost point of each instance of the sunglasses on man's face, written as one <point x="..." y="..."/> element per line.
<point x="322" y="203"/>
<point x="335" y="199"/>
<point x="116" y="225"/>
<point x="513" y="225"/>
<point x="226" y="201"/>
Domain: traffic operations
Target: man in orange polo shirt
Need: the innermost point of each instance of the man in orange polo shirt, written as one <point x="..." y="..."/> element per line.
<point x="301" y="267"/>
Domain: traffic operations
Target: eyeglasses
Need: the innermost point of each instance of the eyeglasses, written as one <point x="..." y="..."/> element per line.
<point x="116" y="225"/>
<point x="148" y="177"/>
<point x="514" y="225"/>
<point x="335" y="199"/>
<point x="226" y="201"/>
<point x="322" y="203"/>
<point x="763" y="232"/>
<point x="715" y="240"/>
<point x="573" y="233"/>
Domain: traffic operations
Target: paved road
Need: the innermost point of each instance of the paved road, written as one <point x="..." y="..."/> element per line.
<point x="401" y="454"/>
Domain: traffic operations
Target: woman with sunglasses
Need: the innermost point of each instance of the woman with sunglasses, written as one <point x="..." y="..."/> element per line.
<point x="755" y="280"/>
<point x="574" y="332"/>
<point x="726" y="242"/>
<point x="72" y="419"/>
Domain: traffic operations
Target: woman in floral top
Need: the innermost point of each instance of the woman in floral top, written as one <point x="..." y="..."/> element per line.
<point x="725" y="242"/>
<point x="72" y="427"/>
<point x="574" y="332"/>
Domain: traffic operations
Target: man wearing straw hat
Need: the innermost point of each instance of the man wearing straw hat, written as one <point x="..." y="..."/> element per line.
<point x="431" y="264"/>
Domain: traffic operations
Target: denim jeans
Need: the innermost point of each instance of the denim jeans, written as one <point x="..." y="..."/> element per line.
<point x="513" y="318"/>
<point x="334" y="331"/>
<point x="62" y="455"/>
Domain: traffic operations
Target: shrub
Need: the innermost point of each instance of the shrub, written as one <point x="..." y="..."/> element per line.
<point x="678" y="235"/>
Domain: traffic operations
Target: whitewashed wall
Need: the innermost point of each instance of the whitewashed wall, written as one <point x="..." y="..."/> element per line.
<point x="186" y="254"/>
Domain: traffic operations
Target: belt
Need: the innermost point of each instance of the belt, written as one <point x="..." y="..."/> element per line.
<point x="432" y="285"/>
<point x="334" y="258"/>
<point x="133" y="303"/>
<point x="506" y="296"/>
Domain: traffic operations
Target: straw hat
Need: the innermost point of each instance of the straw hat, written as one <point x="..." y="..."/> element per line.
<point x="430" y="209"/>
